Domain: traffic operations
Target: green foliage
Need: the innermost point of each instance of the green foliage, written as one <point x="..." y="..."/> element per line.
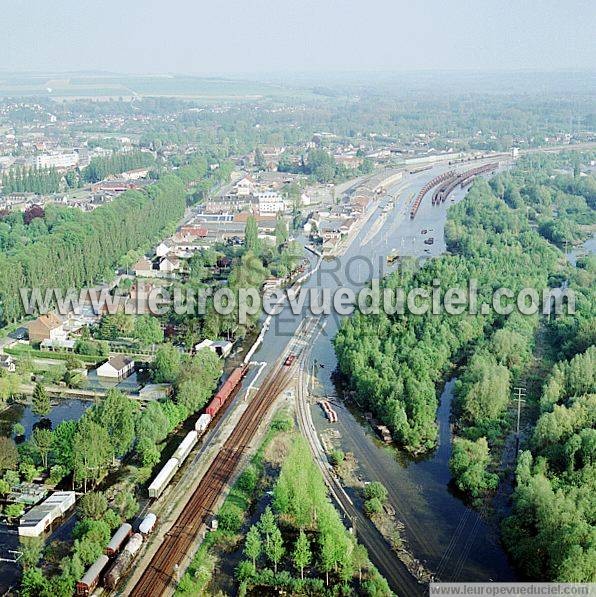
<point x="197" y="380"/>
<point x="41" y="181"/>
<point x="9" y="455"/>
<point x="468" y="465"/>
<point x="101" y="167"/>
<point x="376" y="490"/>
<point x="166" y="365"/>
<point x="147" y="330"/>
<point x="42" y="441"/>
<point x="116" y="414"/>
<point x="41" y="400"/>
<point x="82" y="248"/>
<point x="93" y="505"/>
<point x="251" y="236"/>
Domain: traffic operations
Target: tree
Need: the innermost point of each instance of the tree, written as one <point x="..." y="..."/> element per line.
<point x="376" y="490"/>
<point x="253" y="545"/>
<point x="41" y="400"/>
<point x="18" y="430"/>
<point x="302" y="554"/>
<point x="62" y="444"/>
<point x="260" y="163"/>
<point x="251" y="235"/>
<point x="9" y="455"/>
<point x="42" y="440"/>
<point x="281" y="230"/>
<point x="198" y="379"/>
<point x="468" y="464"/>
<point x="267" y="525"/>
<point x="327" y="556"/>
<point x="92" y="451"/>
<point x="147" y="330"/>
<point x="360" y="559"/>
<point x="33" y="583"/>
<point x="31" y="549"/>
<point x="166" y="365"/>
<point x="93" y="505"/>
<point x="13" y="511"/>
<point x="4" y="487"/>
<point x="275" y="551"/>
<point x="116" y="413"/>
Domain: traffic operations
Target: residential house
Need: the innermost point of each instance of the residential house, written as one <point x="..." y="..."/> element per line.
<point x="169" y="264"/>
<point x="164" y="247"/>
<point x="143" y="268"/>
<point x="221" y="348"/>
<point x="117" y="367"/>
<point x="46" y="327"/>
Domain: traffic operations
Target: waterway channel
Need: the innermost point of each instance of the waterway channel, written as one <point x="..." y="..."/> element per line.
<point x="443" y="532"/>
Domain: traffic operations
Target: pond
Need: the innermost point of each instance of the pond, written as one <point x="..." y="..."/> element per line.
<point x="63" y="409"/>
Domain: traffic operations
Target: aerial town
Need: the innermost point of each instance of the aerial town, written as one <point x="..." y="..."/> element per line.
<point x="234" y="354"/>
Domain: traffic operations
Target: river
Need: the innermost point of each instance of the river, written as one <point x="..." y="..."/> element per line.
<point x="452" y="539"/>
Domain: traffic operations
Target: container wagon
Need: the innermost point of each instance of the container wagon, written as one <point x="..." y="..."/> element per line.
<point x="202" y="423"/>
<point x="118" y="539"/>
<point x="148" y="524"/>
<point x="224" y="392"/>
<point x="90" y="580"/>
<point x="186" y="445"/>
<point x="163" y="478"/>
<point x="123" y="562"/>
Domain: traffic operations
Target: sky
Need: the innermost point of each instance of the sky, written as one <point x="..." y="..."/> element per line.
<point x="265" y="36"/>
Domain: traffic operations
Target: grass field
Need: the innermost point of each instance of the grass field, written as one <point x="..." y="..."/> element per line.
<point x="77" y="85"/>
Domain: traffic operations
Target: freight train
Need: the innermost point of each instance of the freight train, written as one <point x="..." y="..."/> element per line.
<point x="162" y="479"/>
<point x="123" y="558"/>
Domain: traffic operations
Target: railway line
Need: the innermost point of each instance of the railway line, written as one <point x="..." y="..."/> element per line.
<point x="401" y="581"/>
<point x="161" y="575"/>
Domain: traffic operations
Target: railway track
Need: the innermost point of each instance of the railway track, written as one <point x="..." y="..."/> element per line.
<point x="401" y="581"/>
<point x="161" y="575"/>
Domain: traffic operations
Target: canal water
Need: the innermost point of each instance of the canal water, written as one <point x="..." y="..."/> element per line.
<point x="452" y="539"/>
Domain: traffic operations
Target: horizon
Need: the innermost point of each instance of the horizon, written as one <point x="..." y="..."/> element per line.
<point x="266" y="36"/>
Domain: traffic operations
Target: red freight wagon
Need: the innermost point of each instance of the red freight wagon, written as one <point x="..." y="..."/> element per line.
<point x="224" y="392"/>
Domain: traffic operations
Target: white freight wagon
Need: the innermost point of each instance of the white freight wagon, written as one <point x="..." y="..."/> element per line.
<point x="186" y="445"/>
<point x="202" y="423"/>
<point x="148" y="524"/>
<point x="163" y="478"/>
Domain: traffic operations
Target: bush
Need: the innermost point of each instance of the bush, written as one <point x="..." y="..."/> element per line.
<point x="373" y="506"/>
<point x="230" y="518"/>
<point x="337" y="457"/>
<point x="376" y="490"/>
<point x="247" y="481"/>
<point x="57" y="473"/>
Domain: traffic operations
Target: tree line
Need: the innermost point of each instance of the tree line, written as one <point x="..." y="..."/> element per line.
<point x="83" y="248"/>
<point x="101" y="167"/>
<point x="41" y="181"/>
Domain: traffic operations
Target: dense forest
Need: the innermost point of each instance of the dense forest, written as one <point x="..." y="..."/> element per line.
<point x="394" y="362"/>
<point x="81" y="248"/>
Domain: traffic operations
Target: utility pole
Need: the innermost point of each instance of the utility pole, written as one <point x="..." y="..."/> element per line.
<point x="520" y="395"/>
